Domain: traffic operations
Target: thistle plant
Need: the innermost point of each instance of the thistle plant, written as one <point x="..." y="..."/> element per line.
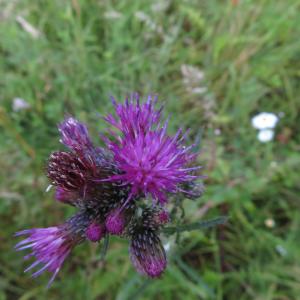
<point x="126" y="188"/>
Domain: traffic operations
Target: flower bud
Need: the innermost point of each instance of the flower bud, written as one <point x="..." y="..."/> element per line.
<point x="115" y="222"/>
<point x="95" y="232"/>
<point x="147" y="253"/>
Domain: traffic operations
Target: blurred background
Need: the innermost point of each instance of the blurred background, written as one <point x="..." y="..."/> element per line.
<point x="216" y="65"/>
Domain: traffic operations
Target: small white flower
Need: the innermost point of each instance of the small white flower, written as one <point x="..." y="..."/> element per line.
<point x="264" y="120"/>
<point x="19" y="104"/>
<point x="265" y="135"/>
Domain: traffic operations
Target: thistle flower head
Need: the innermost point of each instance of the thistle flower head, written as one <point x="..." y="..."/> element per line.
<point x="133" y="117"/>
<point x="150" y="161"/>
<point x="140" y="160"/>
<point x="66" y="171"/>
<point x="51" y="246"/>
<point x="75" y="178"/>
<point x="146" y="251"/>
<point x="74" y="135"/>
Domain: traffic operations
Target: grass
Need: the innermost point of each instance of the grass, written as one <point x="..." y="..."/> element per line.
<point x="249" y="53"/>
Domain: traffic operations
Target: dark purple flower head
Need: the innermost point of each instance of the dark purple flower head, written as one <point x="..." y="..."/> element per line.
<point x="151" y="162"/>
<point x="75" y="179"/>
<point x="67" y="171"/>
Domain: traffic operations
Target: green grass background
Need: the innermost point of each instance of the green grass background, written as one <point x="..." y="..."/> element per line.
<point x="249" y="52"/>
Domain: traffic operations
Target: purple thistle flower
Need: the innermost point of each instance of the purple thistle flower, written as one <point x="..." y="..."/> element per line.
<point x="151" y="162"/>
<point x="74" y="135"/>
<point x="105" y="184"/>
<point x="134" y="118"/>
<point x="51" y="246"/>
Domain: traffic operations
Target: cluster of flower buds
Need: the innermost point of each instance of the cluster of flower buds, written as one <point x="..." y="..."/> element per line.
<point x="111" y="187"/>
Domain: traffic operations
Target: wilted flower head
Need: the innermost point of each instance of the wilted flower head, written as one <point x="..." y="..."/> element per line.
<point x="67" y="171"/>
<point x="151" y="162"/>
<point x="75" y="177"/>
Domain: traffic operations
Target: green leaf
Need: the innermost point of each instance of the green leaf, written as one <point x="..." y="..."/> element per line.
<point x="195" y="226"/>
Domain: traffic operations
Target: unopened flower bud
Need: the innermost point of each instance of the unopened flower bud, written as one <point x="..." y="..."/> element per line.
<point x="95" y="232"/>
